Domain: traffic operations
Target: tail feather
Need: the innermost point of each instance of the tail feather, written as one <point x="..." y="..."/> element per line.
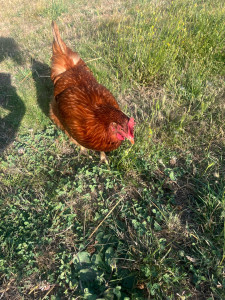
<point x="58" y="44"/>
<point x="63" y="57"/>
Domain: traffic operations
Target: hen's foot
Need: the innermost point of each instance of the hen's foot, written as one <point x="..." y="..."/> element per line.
<point x="84" y="151"/>
<point x="103" y="158"/>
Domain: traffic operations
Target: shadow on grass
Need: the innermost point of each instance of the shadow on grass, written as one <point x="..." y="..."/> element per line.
<point x="14" y="110"/>
<point x="44" y="86"/>
<point x="9" y="48"/>
<point x="12" y="107"/>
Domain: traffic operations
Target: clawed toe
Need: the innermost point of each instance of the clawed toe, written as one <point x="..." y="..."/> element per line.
<point x="84" y="151"/>
<point x="103" y="158"/>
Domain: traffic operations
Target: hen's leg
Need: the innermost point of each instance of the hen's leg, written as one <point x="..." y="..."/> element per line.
<point x="103" y="158"/>
<point x="84" y="151"/>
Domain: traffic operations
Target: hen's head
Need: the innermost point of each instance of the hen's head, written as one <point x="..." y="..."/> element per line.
<point x="124" y="129"/>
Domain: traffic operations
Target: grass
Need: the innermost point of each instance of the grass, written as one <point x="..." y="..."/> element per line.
<point x="151" y="225"/>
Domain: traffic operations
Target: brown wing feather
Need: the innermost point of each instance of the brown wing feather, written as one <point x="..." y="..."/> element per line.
<point x="77" y="113"/>
<point x="80" y="76"/>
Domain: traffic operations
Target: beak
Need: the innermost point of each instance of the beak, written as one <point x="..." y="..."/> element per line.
<point x="131" y="139"/>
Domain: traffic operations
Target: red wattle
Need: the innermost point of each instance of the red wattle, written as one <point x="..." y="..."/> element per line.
<point x="120" y="137"/>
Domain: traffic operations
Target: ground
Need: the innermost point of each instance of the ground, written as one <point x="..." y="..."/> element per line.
<point x="150" y="225"/>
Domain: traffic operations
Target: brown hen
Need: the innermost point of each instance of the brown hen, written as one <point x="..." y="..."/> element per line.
<point x="83" y="108"/>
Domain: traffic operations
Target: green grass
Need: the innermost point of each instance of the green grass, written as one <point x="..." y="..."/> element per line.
<point x="152" y="224"/>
